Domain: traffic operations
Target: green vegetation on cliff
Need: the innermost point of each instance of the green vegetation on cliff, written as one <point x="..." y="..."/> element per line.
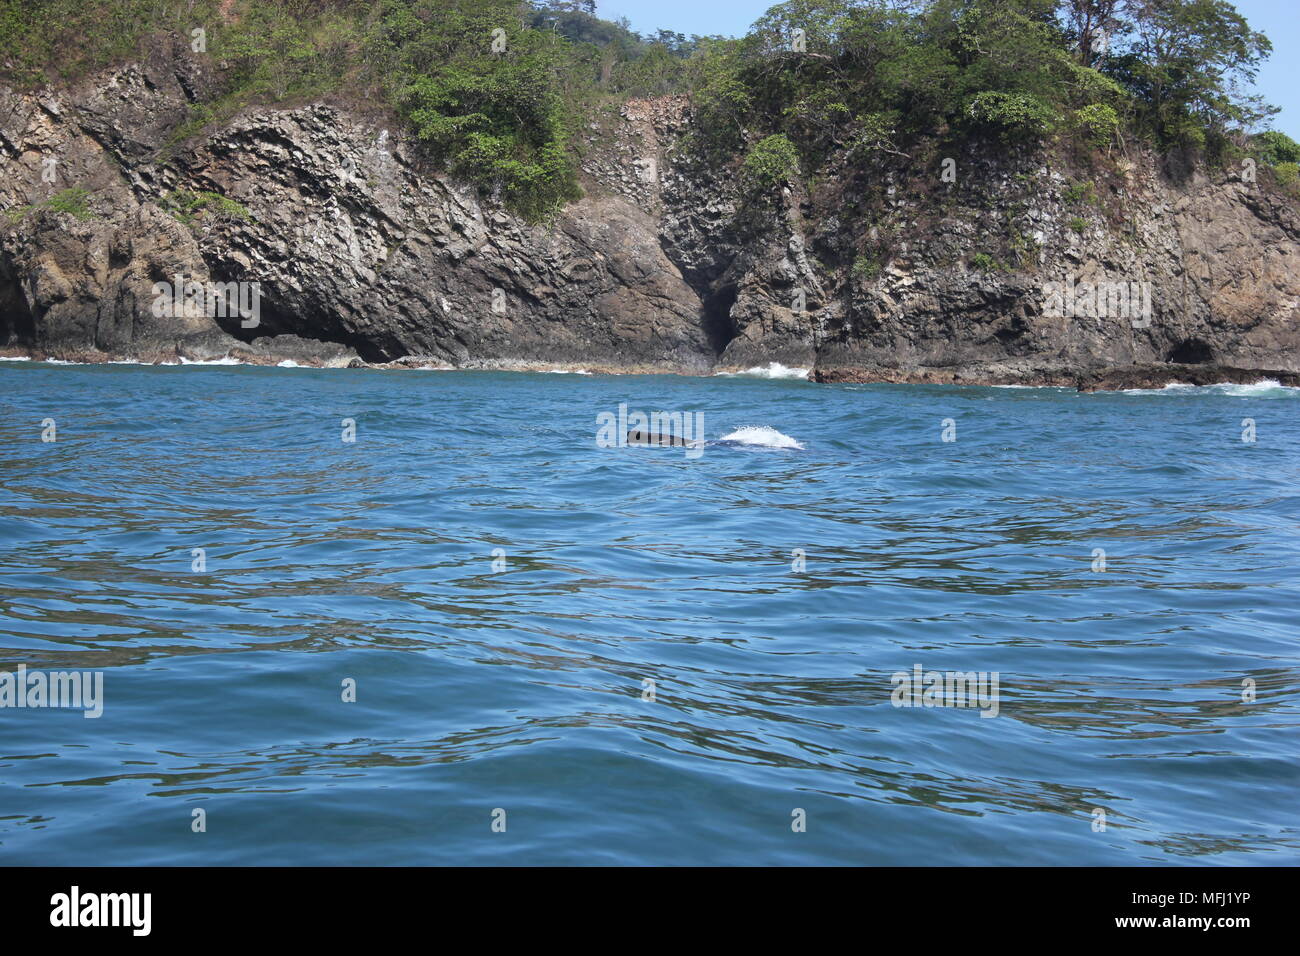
<point x="494" y="89"/>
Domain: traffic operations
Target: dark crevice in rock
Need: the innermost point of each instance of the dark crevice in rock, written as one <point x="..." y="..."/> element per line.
<point x="1191" y="352"/>
<point x="17" y="324"/>
<point x="719" y="327"/>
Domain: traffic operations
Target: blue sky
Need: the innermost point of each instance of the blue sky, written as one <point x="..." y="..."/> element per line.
<point x="1279" y="80"/>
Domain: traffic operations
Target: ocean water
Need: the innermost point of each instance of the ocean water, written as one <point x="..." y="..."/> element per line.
<point x="499" y="591"/>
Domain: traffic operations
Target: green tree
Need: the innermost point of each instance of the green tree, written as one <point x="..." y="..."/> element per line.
<point x="1092" y="26"/>
<point x="1276" y="148"/>
<point x="1182" y="65"/>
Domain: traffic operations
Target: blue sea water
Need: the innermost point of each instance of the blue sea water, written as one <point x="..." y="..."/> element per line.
<point x="500" y="589"/>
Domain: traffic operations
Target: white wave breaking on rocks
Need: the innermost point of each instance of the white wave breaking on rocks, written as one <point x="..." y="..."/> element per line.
<point x="771" y="370"/>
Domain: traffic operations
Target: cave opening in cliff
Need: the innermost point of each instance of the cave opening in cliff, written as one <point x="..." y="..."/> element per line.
<point x="719" y="326"/>
<point x="1191" y="352"/>
<point x="274" y="319"/>
<point x="17" y="324"/>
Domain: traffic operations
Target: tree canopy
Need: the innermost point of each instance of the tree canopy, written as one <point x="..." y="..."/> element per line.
<point x="494" y="89"/>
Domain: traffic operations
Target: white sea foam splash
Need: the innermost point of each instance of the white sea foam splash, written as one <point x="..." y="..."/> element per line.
<point x="771" y="370"/>
<point x="181" y="360"/>
<point x="763" y="436"/>
<point x="1058" y="387"/>
<point x="1268" y="388"/>
<point x="225" y="360"/>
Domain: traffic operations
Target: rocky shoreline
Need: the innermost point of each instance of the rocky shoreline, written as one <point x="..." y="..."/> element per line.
<point x="306" y="354"/>
<point x="1121" y="378"/>
<point x="364" y="257"/>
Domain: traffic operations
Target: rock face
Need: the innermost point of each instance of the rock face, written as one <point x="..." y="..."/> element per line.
<point x="350" y="244"/>
<point x="1011" y="273"/>
<point x="359" y="253"/>
<point x="1197" y="273"/>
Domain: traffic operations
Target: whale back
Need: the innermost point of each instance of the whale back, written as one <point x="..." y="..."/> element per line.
<point x="638" y="437"/>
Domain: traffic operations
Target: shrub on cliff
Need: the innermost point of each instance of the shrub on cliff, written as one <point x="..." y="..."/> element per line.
<point x="772" y="162"/>
<point x="1276" y="148"/>
<point x="481" y="91"/>
<point x="1098" y="123"/>
<point x="43" y="41"/>
<point x="1014" y="115"/>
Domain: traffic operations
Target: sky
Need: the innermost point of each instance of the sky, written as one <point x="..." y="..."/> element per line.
<point x="1279" y="20"/>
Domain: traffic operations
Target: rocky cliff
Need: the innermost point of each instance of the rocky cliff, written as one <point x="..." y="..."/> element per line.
<point x="991" y="266"/>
